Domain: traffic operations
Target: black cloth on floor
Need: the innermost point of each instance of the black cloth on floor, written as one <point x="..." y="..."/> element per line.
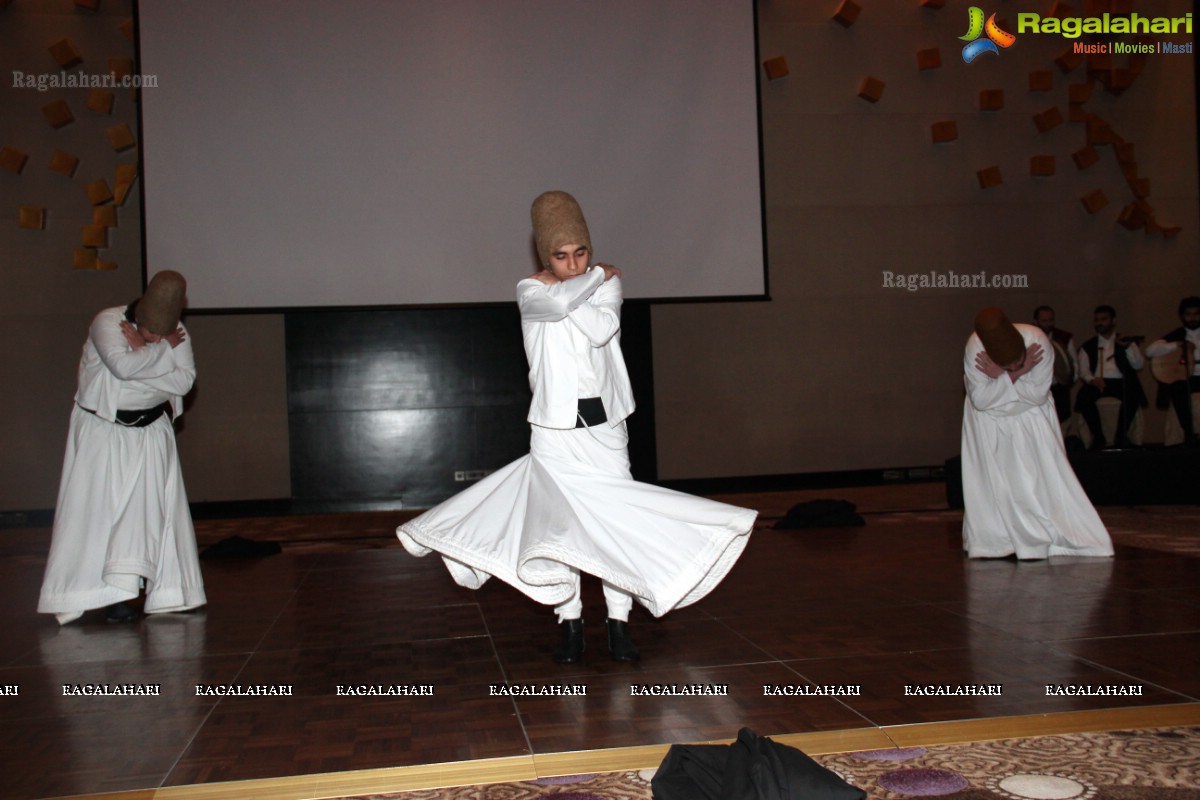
<point x="821" y="514"/>
<point x="240" y="547"/>
<point x="752" y="768"/>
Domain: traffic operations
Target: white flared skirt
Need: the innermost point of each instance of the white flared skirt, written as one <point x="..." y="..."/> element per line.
<point x="122" y="521"/>
<point x="571" y="506"/>
<point x="1020" y="493"/>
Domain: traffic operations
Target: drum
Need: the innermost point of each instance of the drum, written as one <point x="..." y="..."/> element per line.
<point x="1174" y="366"/>
<point x="1064" y="366"/>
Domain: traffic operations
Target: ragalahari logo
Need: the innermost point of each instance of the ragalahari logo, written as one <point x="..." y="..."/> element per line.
<point x="976" y="27"/>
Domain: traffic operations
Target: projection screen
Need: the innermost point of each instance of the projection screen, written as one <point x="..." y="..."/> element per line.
<point x="311" y="153"/>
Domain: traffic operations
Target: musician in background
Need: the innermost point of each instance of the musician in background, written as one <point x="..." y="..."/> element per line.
<point x="1064" y="360"/>
<point x="1108" y="364"/>
<point x="1183" y="342"/>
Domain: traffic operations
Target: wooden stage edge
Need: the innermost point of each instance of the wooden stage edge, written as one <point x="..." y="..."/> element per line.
<point x="531" y="767"/>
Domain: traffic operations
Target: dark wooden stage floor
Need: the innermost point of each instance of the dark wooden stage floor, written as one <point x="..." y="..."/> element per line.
<point x="878" y="609"/>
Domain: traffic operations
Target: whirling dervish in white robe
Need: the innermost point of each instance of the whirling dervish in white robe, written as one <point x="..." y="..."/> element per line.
<point x="122" y="521"/>
<point x="571" y="505"/>
<point x="1020" y="493"/>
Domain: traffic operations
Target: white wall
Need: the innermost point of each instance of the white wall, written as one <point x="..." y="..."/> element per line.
<point x="840" y="373"/>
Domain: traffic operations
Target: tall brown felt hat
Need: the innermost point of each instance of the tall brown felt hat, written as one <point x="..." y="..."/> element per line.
<point x="160" y="307"/>
<point x="1001" y="339"/>
<point x="557" y="220"/>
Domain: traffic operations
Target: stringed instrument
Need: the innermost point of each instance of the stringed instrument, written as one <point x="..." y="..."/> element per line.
<point x="1174" y="366"/>
<point x="1064" y="366"/>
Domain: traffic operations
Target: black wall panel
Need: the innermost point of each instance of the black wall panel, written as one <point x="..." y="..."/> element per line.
<point x="385" y="406"/>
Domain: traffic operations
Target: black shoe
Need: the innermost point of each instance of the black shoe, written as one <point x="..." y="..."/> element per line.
<point x="121" y="612"/>
<point x="1098" y="444"/>
<point x="571" y="648"/>
<point x="620" y="645"/>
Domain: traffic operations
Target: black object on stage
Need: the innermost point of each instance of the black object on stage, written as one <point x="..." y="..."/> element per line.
<point x="752" y="768"/>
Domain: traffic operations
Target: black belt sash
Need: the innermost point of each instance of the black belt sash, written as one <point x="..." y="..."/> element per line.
<point x="591" y="412"/>
<point x="139" y="417"/>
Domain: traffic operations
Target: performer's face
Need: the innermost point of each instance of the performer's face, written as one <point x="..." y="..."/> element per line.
<point x="569" y="261"/>
<point x="148" y="336"/>
<point x="1045" y="320"/>
<point x="1103" y="323"/>
<point x="1191" y="318"/>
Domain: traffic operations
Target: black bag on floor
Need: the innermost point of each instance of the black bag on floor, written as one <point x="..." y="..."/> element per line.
<point x="240" y="547"/>
<point x="752" y="768"/>
<point x="821" y="514"/>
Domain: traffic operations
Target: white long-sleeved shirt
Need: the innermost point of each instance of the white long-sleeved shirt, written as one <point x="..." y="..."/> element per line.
<point x="1106" y="359"/>
<point x="114" y="376"/>
<point x="1002" y="396"/>
<point x="572" y="338"/>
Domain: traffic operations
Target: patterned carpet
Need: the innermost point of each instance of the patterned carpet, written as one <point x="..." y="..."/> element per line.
<point x="1160" y="764"/>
